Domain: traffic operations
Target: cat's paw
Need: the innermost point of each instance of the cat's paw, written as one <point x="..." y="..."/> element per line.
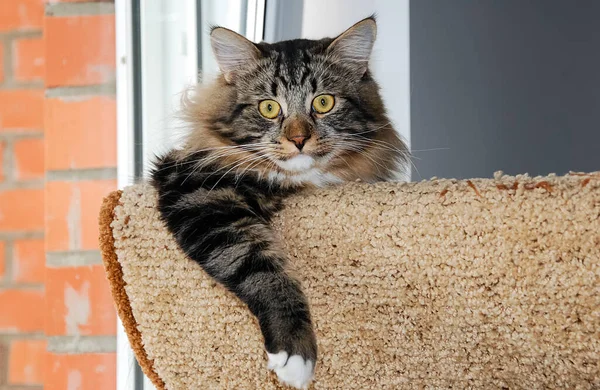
<point x="292" y="370"/>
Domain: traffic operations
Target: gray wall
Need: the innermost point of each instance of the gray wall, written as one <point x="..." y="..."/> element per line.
<point x="509" y="85"/>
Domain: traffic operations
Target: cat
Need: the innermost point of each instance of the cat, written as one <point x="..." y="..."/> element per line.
<point x="279" y="118"/>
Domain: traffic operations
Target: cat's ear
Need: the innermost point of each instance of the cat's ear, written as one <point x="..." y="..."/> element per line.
<point x="232" y="51"/>
<point x="353" y="47"/>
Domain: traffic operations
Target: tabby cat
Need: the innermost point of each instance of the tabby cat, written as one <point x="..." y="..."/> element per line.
<point x="280" y="117"/>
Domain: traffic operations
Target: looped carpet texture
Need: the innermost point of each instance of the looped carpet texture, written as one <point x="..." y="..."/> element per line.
<point x="483" y="283"/>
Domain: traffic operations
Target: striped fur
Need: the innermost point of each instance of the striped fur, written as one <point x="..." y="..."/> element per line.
<point x="218" y="193"/>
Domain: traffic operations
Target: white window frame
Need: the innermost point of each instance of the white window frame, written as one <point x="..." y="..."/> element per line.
<point x="129" y="155"/>
<point x="125" y="160"/>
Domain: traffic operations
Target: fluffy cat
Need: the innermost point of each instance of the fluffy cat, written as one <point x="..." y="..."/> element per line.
<point x="281" y="117"/>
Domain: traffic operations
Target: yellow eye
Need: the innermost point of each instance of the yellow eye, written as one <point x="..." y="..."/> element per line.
<point x="269" y="109"/>
<point x="323" y="103"/>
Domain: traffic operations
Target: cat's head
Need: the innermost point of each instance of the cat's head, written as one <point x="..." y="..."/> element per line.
<point x="301" y="111"/>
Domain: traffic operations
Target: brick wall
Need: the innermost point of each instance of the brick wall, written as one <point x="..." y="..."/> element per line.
<point x="22" y="262"/>
<point x="57" y="161"/>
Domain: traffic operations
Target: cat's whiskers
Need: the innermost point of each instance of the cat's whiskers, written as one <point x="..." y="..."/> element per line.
<point x="269" y="165"/>
<point x="265" y="153"/>
<point x="223" y="155"/>
<point x="244" y="161"/>
<point x="218" y="149"/>
<point x="259" y="152"/>
<point x="205" y="162"/>
<point x="429" y="150"/>
<point x="378" y="143"/>
<point x="240" y="175"/>
<point x="405" y="154"/>
<point x="373" y="130"/>
<point x="348" y="164"/>
<point x="361" y="144"/>
<point x="344" y="145"/>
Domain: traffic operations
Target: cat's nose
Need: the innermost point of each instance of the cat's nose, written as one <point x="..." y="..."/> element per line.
<point x="299" y="140"/>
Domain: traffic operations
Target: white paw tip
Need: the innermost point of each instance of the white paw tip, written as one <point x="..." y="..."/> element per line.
<point x="277" y="360"/>
<point x="295" y="371"/>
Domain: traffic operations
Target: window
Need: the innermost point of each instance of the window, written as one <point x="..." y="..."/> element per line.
<point x="162" y="47"/>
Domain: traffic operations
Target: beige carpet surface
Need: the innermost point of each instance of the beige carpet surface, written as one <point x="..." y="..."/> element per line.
<point x="488" y="283"/>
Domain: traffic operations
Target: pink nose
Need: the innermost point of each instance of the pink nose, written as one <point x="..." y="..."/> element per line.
<point x="299" y="140"/>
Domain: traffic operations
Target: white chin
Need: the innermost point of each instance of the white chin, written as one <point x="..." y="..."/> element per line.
<point x="297" y="163"/>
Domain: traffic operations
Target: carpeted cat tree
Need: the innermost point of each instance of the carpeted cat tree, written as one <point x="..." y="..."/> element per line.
<point x="487" y="283"/>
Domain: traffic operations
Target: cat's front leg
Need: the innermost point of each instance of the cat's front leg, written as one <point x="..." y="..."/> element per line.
<point x="237" y="247"/>
<point x="282" y="311"/>
<point x="253" y="268"/>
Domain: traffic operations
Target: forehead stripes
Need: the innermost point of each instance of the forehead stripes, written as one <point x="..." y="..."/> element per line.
<point x="292" y="67"/>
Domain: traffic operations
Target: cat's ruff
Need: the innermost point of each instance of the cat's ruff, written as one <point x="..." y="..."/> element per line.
<point x="482" y="283"/>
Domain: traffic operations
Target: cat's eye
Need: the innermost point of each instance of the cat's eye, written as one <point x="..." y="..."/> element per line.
<point x="270" y="109"/>
<point x="323" y="103"/>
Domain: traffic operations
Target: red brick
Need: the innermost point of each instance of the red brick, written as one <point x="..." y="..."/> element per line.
<point x="22" y="210"/>
<point x="81" y="133"/>
<point x="80" y="50"/>
<point x="21" y="109"/>
<point x="29" y="158"/>
<point x="21" y="14"/>
<point x="62" y="216"/>
<point x="81" y="372"/>
<point x="2" y="260"/>
<point x="92" y="195"/>
<point x="78" y="302"/>
<point x="29" y="263"/>
<point x="26" y="362"/>
<point x="72" y="213"/>
<point x="29" y="62"/>
<point x="21" y="311"/>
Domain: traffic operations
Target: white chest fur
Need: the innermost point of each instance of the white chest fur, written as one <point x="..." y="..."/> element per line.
<point x="312" y="176"/>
